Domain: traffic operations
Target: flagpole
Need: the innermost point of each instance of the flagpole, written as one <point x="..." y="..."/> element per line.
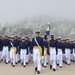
<point x="48" y="39"/>
<point x="49" y="28"/>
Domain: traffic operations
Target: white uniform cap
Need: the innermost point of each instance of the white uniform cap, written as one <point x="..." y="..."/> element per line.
<point x="37" y="31"/>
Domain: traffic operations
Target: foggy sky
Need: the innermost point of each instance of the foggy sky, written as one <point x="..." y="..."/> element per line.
<point x="15" y="10"/>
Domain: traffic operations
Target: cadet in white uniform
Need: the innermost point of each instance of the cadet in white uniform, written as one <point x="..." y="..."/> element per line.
<point x="52" y="53"/>
<point x="37" y="45"/>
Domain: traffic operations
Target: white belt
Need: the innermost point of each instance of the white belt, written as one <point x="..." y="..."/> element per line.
<point x="5" y="46"/>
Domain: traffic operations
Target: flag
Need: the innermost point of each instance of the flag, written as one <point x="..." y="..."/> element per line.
<point x="48" y="30"/>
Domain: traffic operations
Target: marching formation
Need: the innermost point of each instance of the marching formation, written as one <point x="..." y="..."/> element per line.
<point x="16" y="50"/>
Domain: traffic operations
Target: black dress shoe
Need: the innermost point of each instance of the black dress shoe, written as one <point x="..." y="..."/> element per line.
<point x="38" y="72"/>
<point x="57" y="64"/>
<point x="73" y="61"/>
<point x="16" y="63"/>
<point x="19" y="61"/>
<point x="68" y="64"/>
<point x="9" y="61"/>
<point x="65" y="62"/>
<point x="1" y="59"/>
<point x="36" y="69"/>
<point x="54" y="69"/>
<point x="47" y="63"/>
<point x="60" y="66"/>
<point x="42" y="65"/>
<point x="13" y="65"/>
<point x="50" y="66"/>
<point x="26" y="63"/>
<point x="24" y="66"/>
<point x="6" y="63"/>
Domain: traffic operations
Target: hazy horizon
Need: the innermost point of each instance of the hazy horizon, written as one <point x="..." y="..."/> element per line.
<point x="16" y="10"/>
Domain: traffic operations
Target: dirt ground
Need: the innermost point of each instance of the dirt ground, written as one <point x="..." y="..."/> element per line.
<point x="7" y="69"/>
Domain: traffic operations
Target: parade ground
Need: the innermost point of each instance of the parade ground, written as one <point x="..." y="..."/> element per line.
<point x="7" y="69"/>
